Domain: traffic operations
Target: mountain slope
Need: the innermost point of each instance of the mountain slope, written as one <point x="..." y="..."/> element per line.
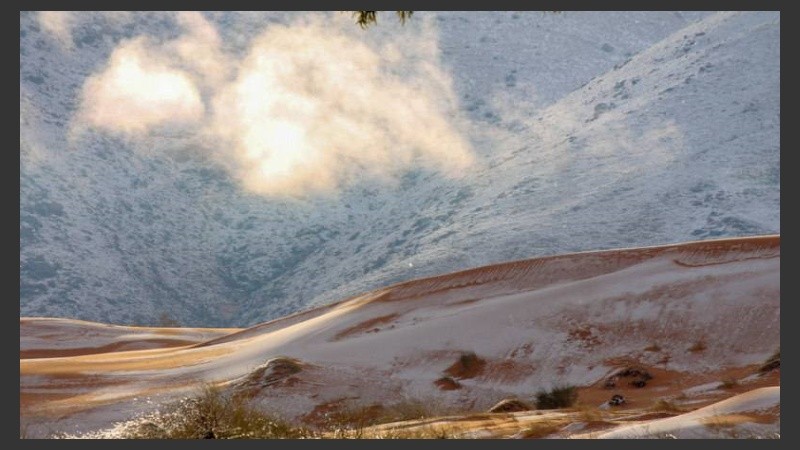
<point x="665" y="148"/>
<point x="679" y="143"/>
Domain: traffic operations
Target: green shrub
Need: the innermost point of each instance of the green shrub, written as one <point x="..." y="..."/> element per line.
<point x="558" y="397"/>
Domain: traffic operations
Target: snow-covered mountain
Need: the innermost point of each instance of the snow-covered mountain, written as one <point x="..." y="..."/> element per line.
<point x="591" y="131"/>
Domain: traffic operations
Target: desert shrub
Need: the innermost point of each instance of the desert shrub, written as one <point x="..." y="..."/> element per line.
<point x="468" y="360"/>
<point x="214" y="415"/>
<point x="558" y="397"/>
<point x="349" y="423"/>
<point x="469" y="365"/>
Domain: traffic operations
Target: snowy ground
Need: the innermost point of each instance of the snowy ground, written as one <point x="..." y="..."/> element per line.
<point x="719" y="420"/>
<point x="693" y="314"/>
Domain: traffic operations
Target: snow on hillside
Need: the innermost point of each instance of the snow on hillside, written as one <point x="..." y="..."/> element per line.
<point x="563" y="320"/>
<point x="51" y="337"/>
<point x="720" y="420"/>
<point x="592" y="130"/>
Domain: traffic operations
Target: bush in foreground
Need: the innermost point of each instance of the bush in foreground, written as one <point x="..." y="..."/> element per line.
<point x="214" y="415"/>
<point x="558" y="397"/>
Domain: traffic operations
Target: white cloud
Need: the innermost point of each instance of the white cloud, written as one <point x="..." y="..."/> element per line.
<point x="313" y="108"/>
<point x="136" y="92"/>
<point x="310" y="107"/>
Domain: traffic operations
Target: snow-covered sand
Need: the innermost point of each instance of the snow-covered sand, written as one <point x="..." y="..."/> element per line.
<point x="533" y="324"/>
<point x="42" y="337"/>
<point x="727" y="418"/>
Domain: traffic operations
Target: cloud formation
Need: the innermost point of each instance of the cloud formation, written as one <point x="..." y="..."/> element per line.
<point x="136" y="92"/>
<point x="309" y="107"/>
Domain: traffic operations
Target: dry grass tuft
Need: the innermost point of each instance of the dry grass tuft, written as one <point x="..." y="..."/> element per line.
<point x="664" y="405"/>
<point x="214" y="415"/>
<point x="541" y="429"/>
<point x="589" y="414"/>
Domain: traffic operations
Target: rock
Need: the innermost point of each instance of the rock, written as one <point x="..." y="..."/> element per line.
<point x="447" y="384"/>
<point x="616" y="400"/>
<point x="509" y="405"/>
<point x="634" y="372"/>
<point x="638" y="383"/>
<point x="469" y="365"/>
<point x="641" y="377"/>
